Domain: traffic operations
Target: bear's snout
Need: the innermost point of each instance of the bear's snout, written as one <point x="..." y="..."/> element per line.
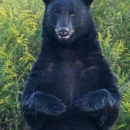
<point x="63" y="33"/>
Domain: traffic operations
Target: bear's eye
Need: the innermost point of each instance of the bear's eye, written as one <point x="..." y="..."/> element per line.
<point x="57" y="12"/>
<point x="72" y="13"/>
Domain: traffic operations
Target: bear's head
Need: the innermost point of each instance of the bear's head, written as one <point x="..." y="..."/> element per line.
<point x="67" y="20"/>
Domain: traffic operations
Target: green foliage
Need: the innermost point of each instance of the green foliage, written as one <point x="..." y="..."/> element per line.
<point x="113" y="15"/>
<point x="19" y="27"/>
<point x="20" y="39"/>
<point x="116" y="54"/>
<point x="112" y="21"/>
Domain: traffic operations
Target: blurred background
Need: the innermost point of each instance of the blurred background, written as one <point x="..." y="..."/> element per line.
<point x="20" y="42"/>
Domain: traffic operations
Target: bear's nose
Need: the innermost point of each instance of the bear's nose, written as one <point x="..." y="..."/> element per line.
<point x="63" y="32"/>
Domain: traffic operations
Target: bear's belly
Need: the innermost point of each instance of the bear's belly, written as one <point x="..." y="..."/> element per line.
<point x="69" y="86"/>
<point x="67" y="89"/>
<point x="71" y="123"/>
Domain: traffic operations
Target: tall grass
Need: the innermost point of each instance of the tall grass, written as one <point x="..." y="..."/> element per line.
<point x="112" y="20"/>
<point x="20" y="27"/>
<point x="20" y="42"/>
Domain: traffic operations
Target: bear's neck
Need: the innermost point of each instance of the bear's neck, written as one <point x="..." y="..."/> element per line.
<point x="81" y="47"/>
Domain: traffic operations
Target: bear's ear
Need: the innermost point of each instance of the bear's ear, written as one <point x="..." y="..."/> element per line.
<point x="88" y="2"/>
<point x="46" y="1"/>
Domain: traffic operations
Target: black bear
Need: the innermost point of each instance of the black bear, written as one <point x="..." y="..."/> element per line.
<point x="70" y="86"/>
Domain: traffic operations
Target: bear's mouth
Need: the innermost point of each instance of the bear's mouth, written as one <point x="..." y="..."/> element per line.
<point x="63" y="37"/>
<point x="64" y="34"/>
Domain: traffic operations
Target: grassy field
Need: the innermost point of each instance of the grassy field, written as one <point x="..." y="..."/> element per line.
<point x="20" y="42"/>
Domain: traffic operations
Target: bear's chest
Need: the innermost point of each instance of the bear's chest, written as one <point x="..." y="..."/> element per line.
<point x="68" y="82"/>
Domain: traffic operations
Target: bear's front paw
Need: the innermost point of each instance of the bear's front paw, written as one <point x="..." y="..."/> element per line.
<point x="40" y="102"/>
<point x="52" y="105"/>
<point x="84" y="104"/>
<point x="93" y="102"/>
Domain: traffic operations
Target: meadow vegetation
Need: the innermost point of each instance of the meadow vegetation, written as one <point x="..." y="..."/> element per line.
<point x="20" y="42"/>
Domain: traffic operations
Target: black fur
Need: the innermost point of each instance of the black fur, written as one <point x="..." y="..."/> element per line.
<point x="70" y="86"/>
